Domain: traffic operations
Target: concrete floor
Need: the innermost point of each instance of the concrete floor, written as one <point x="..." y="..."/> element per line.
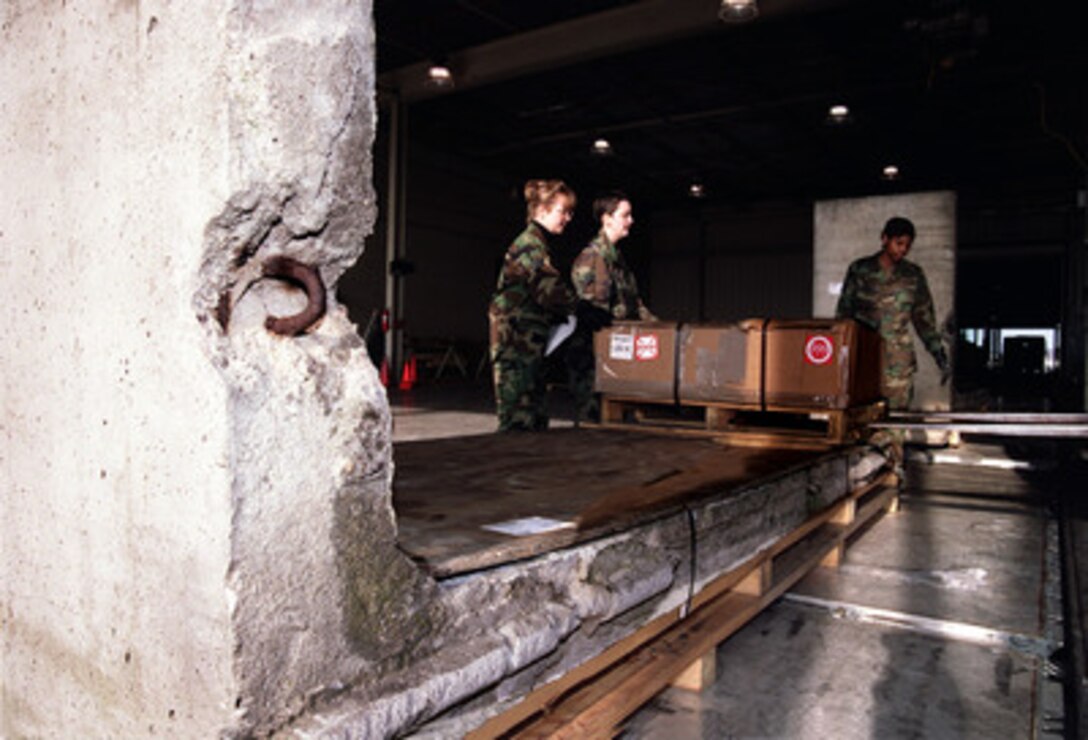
<point x="432" y="411"/>
<point x="937" y="625"/>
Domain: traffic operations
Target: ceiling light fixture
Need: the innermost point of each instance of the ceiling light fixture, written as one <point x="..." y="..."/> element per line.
<point x="838" y="114"/>
<point x="737" y="11"/>
<point x="696" y="190"/>
<point x="891" y="172"/>
<point x="439" y="75"/>
<point x="601" y="147"/>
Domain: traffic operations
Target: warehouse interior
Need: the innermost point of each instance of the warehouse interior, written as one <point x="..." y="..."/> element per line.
<point x="725" y="137"/>
<point x="983" y="99"/>
<point x="235" y="233"/>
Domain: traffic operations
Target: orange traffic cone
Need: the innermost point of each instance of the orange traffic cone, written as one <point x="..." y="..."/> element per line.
<point x="406" y="381"/>
<point x="412" y="368"/>
<point x="385" y="372"/>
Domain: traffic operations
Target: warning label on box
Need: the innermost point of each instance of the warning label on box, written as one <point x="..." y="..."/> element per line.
<point x="647" y="347"/>
<point x="819" y="349"/>
<point x="622" y="347"/>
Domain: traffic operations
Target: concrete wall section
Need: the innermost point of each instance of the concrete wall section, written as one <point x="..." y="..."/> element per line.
<point x="196" y="531"/>
<point x="850" y="228"/>
<point x="322" y="596"/>
<point x="115" y="513"/>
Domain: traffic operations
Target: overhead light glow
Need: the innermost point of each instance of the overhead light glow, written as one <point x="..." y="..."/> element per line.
<point x="838" y="115"/>
<point x="601" y="147"/>
<point x="738" y="11"/>
<point x="439" y="75"/>
<point x="696" y="190"/>
<point x="891" y="172"/>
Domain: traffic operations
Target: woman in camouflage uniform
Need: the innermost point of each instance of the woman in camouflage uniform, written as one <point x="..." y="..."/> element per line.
<point x="606" y="290"/>
<point x="531" y="296"/>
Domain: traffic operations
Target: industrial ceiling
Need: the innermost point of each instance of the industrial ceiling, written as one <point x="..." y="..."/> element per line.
<point x="959" y="94"/>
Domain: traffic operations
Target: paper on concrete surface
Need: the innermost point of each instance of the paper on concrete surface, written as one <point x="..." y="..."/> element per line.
<point x="528" y="525"/>
<point x="559" y="334"/>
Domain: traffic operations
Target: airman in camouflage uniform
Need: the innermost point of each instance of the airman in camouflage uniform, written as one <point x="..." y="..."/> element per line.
<point x="601" y="277"/>
<point x="530" y="297"/>
<point x="888" y="293"/>
<point x="608" y="289"/>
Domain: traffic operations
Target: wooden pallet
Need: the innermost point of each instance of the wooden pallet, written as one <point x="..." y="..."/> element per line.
<point x="594" y="699"/>
<point x="741" y="425"/>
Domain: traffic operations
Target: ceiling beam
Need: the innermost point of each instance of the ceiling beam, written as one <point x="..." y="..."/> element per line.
<point x="636" y="26"/>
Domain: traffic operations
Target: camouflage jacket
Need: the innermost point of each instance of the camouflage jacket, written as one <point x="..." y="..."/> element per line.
<point x="890" y="303"/>
<point x="530" y="290"/>
<point x="601" y="277"/>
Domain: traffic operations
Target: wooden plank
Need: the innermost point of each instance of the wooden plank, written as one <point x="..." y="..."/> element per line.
<point x="700" y="674"/>
<point x="773" y="441"/>
<point x="758" y="581"/>
<point x="743" y="424"/>
<point x="754" y="578"/>
<point x="446" y="491"/>
<point x="597" y="708"/>
<point x="611" y="411"/>
<point x="844" y="512"/>
<point x="713" y="473"/>
<point x="719" y="418"/>
<point x="731" y="581"/>
<point x="833" y="559"/>
<point x="793" y="564"/>
<point x="539" y="700"/>
<point x="886" y="499"/>
<point x="823" y="517"/>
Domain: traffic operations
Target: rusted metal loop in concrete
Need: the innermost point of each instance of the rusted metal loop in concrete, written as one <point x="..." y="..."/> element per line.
<point x="309" y="279"/>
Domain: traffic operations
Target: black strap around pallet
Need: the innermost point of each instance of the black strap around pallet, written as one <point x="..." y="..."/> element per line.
<point x="763" y="366"/>
<point x="676" y="356"/>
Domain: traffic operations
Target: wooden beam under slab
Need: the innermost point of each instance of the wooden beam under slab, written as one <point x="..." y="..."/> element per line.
<point x="593" y="700"/>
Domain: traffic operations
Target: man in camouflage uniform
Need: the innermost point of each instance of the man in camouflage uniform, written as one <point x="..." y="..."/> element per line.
<point x="607" y="291"/>
<point x="887" y="292"/>
<point x="531" y="297"/>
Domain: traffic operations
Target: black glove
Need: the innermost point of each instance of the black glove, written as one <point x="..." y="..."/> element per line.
<point x="591" y="317"/>
<point x="941" y="359"/>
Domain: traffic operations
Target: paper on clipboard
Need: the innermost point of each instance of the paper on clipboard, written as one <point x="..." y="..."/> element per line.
<point x="559" y="334"/>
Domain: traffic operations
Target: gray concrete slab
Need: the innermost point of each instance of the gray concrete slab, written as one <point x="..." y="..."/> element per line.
<point x="961" y="569"/>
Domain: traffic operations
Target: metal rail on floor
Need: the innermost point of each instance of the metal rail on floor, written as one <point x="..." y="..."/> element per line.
<point x="1039" y="425"/>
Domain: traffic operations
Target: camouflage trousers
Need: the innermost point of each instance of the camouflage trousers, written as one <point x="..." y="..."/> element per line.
<point x="898" y="387"/>
<point x="899" y="392"/>
<point x="580" y="374"/>
<point x="897" y="384"/>
<point x="519" y="377"/>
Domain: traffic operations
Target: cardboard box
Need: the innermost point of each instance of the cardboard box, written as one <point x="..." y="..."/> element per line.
<point x="761" y="363"/>
<point x="821" y="364"/>
<point x="721" y="362"/>
<point x="636" y="359"/>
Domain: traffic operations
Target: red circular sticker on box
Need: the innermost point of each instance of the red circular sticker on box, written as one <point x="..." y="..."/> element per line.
<point x="819" y="349"/>
<point x="646" y="347"/>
